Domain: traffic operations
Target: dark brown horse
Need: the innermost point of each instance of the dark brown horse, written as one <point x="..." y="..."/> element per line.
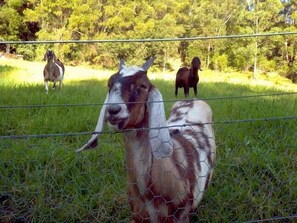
<point x="188" y="77"/>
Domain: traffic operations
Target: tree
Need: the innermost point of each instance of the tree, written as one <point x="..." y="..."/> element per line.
<point x="10" y="21"/>
<point x="262" y="15"/>
<point x="210" y="18"/>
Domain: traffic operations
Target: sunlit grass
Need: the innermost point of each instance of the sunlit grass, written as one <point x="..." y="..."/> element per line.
<point x="32" y="73"/>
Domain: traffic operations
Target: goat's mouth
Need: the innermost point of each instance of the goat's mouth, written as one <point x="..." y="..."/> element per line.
<point x="117" y="123"/>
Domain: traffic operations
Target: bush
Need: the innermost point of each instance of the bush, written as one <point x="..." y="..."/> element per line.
<point x="267" y="65"/>
<point x="219" y="62"/>
<point x="28" y="51"/>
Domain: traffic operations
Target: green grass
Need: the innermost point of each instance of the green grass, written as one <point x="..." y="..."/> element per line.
<point x="44" y="180"/>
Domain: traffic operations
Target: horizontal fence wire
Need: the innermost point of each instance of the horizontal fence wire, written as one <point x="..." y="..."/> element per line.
<point x="253" y="35"/>
<point x="134" y="129"/>
<point x="274" y="219"/>
<point x="165" y="101"/>
<point x="141" y="102"/>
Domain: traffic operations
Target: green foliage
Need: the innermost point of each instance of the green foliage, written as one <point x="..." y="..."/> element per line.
<point x="28" y="51"/>
<point x="111" y="20"/>
<point x="267" y="65"/>
<point x="220" y="62"/>
<point x="10" y="22"/>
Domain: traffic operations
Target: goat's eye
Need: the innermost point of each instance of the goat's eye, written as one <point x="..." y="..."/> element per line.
<point x="143" y="86"/>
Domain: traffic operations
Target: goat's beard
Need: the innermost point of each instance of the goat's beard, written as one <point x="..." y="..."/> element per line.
<point x="118" y="124"/>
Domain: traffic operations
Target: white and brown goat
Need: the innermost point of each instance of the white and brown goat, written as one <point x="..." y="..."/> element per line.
<point x="53" y="70"/>
<point x="169" y="163"/>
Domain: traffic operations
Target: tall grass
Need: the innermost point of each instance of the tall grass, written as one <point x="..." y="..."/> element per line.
<point x="44" y="180"/>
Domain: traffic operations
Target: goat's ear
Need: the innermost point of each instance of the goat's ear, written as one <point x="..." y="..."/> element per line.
<point x="54" y="56"/>
<point x="148" y="63"/>
<point x="45" y="56"/>
<point x="160" y="140"/>
<point x="93" y="141"/>
<point x="122" y="64"/>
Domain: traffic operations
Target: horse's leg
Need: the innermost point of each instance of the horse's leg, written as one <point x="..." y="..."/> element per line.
<point x="176" y="90"/>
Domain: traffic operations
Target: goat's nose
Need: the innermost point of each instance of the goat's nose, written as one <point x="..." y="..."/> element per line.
<point x="114" y="109"/>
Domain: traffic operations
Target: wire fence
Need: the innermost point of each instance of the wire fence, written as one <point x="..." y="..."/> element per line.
<point x="167" y="101"/>
<point x="114" y="170"/>
<point x="42" y="179"/>
<point x="250" y="35"/>
<point x="161" y="127"/>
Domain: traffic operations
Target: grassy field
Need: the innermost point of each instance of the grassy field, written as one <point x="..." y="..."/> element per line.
<point x="44" y="180"/>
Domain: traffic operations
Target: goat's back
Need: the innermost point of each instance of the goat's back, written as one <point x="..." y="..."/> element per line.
<point x="190" y="125"/>
<point x="193" y="111"/>
<point x="182" y="76"/>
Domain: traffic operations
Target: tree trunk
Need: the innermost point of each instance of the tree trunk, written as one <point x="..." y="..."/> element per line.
<point x="255" y="59"/>
<point x="7" y="48"/>
<point x="208" y="55"/>
<point x="164" y="60"/>
<point x="256" y="40"/>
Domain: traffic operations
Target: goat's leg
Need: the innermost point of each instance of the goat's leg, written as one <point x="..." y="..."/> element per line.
<point x="176" y="90"/>
<point x="60" y="84"/>
<point x="195" y="90"/>
<point x="54" y="86"/>
<point x="46" y="86"/>
<point x="139" y="213"/>
<point x="186" y="91"/>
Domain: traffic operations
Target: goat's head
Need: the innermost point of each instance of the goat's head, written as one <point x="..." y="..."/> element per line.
<point x="49" y="55"/>
<point x="133" y="102"/>
<point x="128" y="93"/>
<point x="196" y="63"/>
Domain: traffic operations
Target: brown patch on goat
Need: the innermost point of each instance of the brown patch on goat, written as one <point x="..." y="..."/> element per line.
<point x="177" y="113"/>
<point x="134" y="92"/>
<point x="175" y="198"/>
<point x="201" y="139"/>
<point x="203" y="142"/>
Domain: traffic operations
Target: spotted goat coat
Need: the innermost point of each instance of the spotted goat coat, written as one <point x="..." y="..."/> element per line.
<point x="169" y="163"/>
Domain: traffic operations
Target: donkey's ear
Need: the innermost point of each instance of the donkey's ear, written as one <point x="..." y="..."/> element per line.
<point x="93" y="141"/>
<point x="160" y="140"/>
<point x="148" y="63"/>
